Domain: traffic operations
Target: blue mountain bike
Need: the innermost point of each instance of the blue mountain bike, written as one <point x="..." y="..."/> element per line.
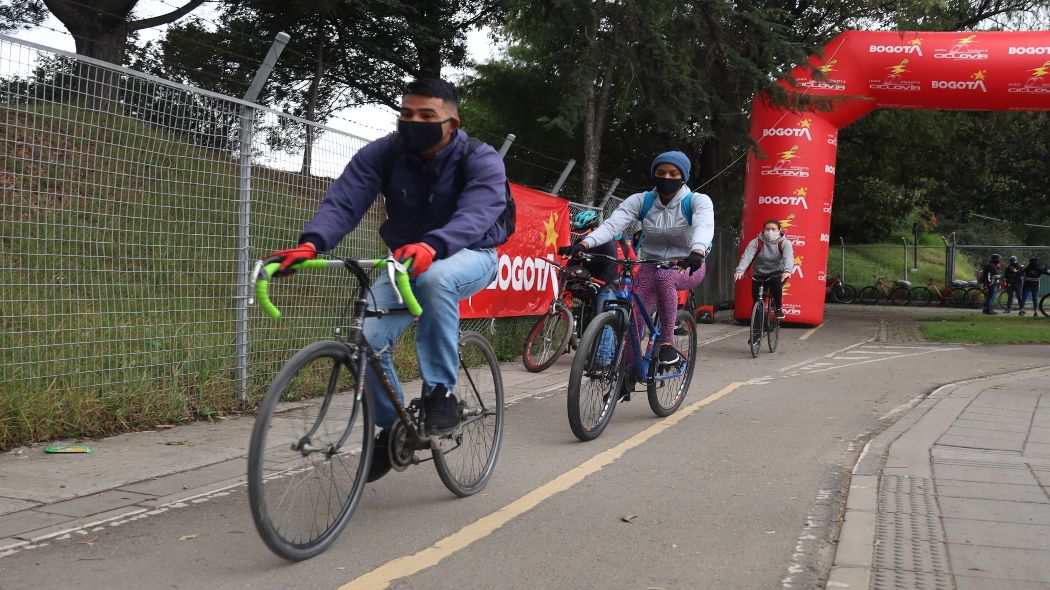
<point x="610" y="358"/>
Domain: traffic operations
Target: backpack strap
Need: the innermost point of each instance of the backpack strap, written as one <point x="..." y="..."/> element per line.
<point x="650" y="198"/>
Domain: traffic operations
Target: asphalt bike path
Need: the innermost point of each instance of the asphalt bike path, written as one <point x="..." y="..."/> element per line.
<point x="743" y="488"/>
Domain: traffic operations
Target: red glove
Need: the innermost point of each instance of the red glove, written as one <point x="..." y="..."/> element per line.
<point x="291" y="256"/>
<point x="422" y="256"/>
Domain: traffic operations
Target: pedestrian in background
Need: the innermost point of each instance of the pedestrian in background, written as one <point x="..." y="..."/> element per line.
<point x="1012" y="278"/>
<point x="1030" y="274"/>
<point x="990" y="275"/>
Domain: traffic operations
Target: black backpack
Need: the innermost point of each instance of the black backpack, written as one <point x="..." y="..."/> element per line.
<point x="509" y="217"/>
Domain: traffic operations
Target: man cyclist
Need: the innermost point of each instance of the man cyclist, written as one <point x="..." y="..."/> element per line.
<point x="445" y="202"/>
<point x="771" y="257"/>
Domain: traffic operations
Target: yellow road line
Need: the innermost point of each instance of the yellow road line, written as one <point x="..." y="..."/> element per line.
<point x="810" y="331"/>
<point x="409" y="565"/>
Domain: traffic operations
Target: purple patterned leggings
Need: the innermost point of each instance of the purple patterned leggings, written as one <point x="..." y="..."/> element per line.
<point x="660" y="287"/>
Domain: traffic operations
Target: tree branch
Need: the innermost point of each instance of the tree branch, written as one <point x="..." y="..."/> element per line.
<point x="164" y="19"/>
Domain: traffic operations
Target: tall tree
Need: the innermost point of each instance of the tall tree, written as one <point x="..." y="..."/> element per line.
<point x="100" y="29"/>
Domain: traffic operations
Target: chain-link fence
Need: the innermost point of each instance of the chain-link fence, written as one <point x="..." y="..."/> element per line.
<point x="129" y="215"/>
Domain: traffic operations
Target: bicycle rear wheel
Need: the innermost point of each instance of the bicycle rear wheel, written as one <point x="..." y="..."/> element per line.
<point x="310" y="450"/>
<point x="595" y="377"/>
<point x="754" y="341"/>
<point x="548" y="338"/>
<point x="869" y="295"/>
<point x="772" y="330"/>
<point x="465" y="460"/>
<point x="1044" y="305"/>
<point x="667" y="395"/>
<point x="1002" y="298"/>
<point x="921" y="296"/>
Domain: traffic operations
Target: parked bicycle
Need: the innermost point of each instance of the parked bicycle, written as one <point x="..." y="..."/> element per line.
<point x="954" y="296"/>
<point x="899" y="293"/>
<point x="559" y="330"/>
<point x="977" y="293"/>
<point x="611" y="359"/>
<point x="838" y="292"/>
<point x="313" y="441"/>
<point x="764" y="320"/>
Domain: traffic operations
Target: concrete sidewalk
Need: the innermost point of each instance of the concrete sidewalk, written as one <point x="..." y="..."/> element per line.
<point x="956" y="494"/>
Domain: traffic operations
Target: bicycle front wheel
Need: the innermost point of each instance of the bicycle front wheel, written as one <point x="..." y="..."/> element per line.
<point x="667" y="395"/>
<point x="465" y="460"/>
<point x="1002" y="298"/>
<point x="772" y="330"/>
<point x="849" y="294"/>
<point x="1044" y="305"/>
<point x="959" y="297"/>
<point x="754" y="341"/>
<point x="899" y="296"/>
<point x="310" y="450"/>
<point x="976" y="297"/>
<point x="548" y="338"/>
<point x="595" y="377"/>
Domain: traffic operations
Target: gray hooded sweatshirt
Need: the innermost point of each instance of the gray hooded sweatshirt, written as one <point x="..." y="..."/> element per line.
<point x="668" y="234"/>
<point x="775" y="257"/>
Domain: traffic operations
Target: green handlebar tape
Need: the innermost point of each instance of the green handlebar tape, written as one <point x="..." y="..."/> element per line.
<point x="315" y="263"/>
<point x="407" y="294"/>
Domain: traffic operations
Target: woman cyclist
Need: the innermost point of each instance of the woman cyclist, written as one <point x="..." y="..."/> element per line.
<point x="772" y="258"/>
<point x="678" y="224"/>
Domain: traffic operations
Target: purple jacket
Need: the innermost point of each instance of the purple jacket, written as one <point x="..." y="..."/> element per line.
<point x="422" y="203"/>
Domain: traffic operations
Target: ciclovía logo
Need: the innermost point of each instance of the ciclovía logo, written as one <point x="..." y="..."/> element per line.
<point x="785" y="166"/>
<point x="801" y="130"/>
<point x="833" y="139"/>
<point x="798" y="268"/>
<point x="786" y="223"/>
<point x="798" y="197"/>
<point x="796" y="239"/>
<point x="896" y="79"/>
<point x="963" y="49"/>
<point x="1038" y="82"/>
<point x="829" y="83"/>
<point x="976" y="82"/>
<point x="913" y="47"/>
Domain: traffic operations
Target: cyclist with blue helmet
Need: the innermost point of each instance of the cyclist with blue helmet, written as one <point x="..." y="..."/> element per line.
<point x="581" y="225"/>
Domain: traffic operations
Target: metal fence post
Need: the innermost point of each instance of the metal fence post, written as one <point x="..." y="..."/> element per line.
<point x="564" y="175"/>
<point x="905" y="240"/>
<point x="506" y="145"/>
<point x="842" y="270"/>
<point x="609" y="193"/>
<point x="244" y="195"/>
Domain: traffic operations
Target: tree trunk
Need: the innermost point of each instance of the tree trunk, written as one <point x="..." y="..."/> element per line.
<point x="594" y="119"/>
<point x="311" y="105"/>
<point x="427" y="37"/>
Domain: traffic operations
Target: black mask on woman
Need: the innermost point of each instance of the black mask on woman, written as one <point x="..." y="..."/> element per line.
<point x="420" y="136"/>
<point x="668" y="186"/>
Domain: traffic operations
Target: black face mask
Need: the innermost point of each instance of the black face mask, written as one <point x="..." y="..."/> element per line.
<point x="667" y="186"/>
<point x="420" y="136"/>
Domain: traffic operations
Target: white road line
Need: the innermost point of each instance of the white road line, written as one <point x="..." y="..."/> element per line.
<point x="724" y="336"/>
<point x="880" y="359"/>
<point x="831" y="354"/>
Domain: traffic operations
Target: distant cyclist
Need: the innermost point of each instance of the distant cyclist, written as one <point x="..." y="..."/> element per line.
<point x="771" y="258"/>
<point x="583" y="223"/>
<point x="678" y="224"/>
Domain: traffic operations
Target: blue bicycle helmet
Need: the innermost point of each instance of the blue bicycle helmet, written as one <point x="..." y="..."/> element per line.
<point x="585" y="220"/>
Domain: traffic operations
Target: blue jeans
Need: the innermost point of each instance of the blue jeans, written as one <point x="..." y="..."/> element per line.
<point x="993" y="291"/>
<point x="1032" y="288"/>
<point x="607" y="344"/>
<point x="439" y="290"/>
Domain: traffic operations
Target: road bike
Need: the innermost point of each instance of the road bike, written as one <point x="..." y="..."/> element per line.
<point x="610" y="359"/>
<point x="559" y="330"/>
<point x="313" y="438"/>
<point x="838" y="292"/>
<point x="899" y="293"/>
<point x="954" y="296"/>
<point x="764" y="320"/>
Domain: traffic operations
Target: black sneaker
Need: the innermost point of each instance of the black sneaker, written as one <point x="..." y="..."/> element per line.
<point x="669" y="356"/>
<point x="990" y="312"/>
<point x="442" y="411"/>
<point x="780" y="314"/>
<point x="380" y="457"/>
<point x="1022" y="312"/>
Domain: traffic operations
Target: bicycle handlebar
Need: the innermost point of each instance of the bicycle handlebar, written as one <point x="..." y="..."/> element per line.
<point x="398" y="273"/>
<point x="655" y="262"/>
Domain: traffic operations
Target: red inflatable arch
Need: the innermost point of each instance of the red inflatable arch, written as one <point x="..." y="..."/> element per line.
<point x="795" y="180"/>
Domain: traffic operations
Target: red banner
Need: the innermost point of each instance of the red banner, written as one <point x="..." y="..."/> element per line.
<point x="793" y="178"/>
<point x="525" y="284"/>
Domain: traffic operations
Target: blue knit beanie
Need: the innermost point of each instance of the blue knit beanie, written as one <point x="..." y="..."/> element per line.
<point x="676" y="159"/>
